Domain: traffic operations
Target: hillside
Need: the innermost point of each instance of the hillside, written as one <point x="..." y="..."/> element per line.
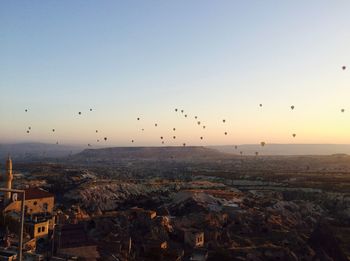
<point x="286" y="149"/>
<point x="35" y="151"/>
<point x="149" y="153"/>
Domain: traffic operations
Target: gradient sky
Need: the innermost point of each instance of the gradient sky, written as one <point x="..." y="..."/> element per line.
<point x="214" y="59"/>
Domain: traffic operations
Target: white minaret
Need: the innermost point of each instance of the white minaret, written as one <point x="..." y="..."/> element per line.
<point x="9" y="178"/>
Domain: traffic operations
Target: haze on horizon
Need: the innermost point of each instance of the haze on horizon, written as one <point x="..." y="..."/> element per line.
<point x="217" y="61"/>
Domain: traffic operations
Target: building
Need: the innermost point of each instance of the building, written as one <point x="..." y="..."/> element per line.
<point x="72" y="240"/>
<point x="39" y="216"/>
<point x="194" y="238"/>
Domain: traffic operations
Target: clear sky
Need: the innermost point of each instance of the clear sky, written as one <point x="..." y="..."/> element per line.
<point x="213" y="59"/>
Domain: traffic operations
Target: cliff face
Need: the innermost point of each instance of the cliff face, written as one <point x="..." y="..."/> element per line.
<point x="325" y="243"/>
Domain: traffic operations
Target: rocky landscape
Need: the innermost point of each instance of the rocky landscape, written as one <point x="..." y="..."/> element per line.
<point x="247" y="207"/>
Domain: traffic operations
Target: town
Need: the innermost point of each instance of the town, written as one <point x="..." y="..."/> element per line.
<point x="205" y="208"/>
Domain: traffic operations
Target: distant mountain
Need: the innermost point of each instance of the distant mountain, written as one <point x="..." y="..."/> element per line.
<point x="286" y="149"/>
<point x="148" y="153"/>
<point x="36" y="151"/>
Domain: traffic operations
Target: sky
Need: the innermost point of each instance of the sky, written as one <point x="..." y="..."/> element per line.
<point x="213" y="59"/>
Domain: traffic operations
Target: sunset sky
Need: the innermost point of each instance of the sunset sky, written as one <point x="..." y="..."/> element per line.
<point x="213" y="59"/>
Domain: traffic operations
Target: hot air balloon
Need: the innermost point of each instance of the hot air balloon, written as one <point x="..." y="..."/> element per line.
<point x="204" y="127"/>
<point x="195" y="117"/>
<point x="260" y="105"/>
<point x="342" y="110"/>
<point x="155" y="124"/>
<point x="90" y="109"/>
<point x="89" y="145"/>
<point x="185" y="115"/>
<point x="26" y="110"/>
<point x="96" y="131"/>
<point x="198" y="122"/>
<point x="175" y="109"/>
<point x="53" y="130"/>
<point x="174" y="129"/>
<point x="138" y="119"/>
<point x="142" y="129"/>
<point x="294" y="135"/>
<point x="132" y="141"/>
<point x="236" y="147"/>
<point x="161" y="137"/>
<point x="292" y="107"/>
<point x="105" y="138"/>
<point x="223" y="121"/>
<point x="184" y="144"/>
<point x="256" y="153"/>
<point x="225" y="133"/>
<point x="182" y="111"/>
<point x="343" y="67"/>
<point x="262" y="143"/>
<point x="27" y="131"/>
<point x="29" y="128"/>
<point x="201" y="138"/>
<point x="98" y="140"/>
<point x="57" y="142"/>
<point x="241" y="152"/>
<point x="174" y="137"/>
<point x="79" y="113"/>
<point x="162" y="142"/>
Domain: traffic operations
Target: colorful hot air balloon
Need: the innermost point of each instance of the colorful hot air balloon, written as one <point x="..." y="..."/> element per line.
<point x="294" y="135"/>
<point x="292" y="107"/>
<point x="262" y="143"/>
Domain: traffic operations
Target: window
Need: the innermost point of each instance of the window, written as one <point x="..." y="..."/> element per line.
<point x="46" y="206"/>
<point x="43" y="229"/>
<point x="35" y="203"/>
<point x="39" y="229"/>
